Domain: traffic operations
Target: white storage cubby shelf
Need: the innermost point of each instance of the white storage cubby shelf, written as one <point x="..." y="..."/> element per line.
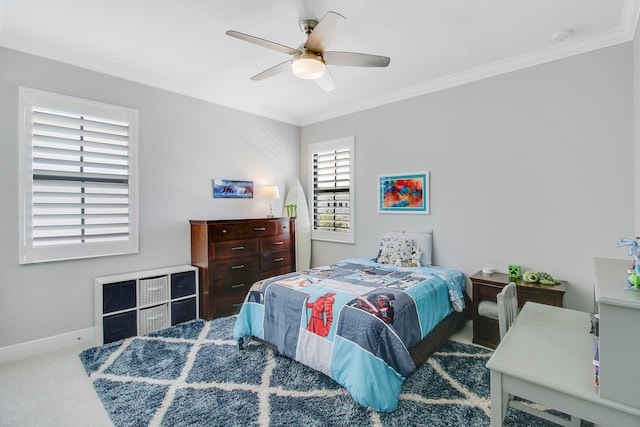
<point x="142" y="302"/>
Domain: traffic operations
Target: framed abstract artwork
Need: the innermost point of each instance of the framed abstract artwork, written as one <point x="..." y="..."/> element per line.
<point x="404" y="193"/>
<point x="230" y="189"/>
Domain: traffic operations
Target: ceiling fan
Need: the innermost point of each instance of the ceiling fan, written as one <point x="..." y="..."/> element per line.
<point x="308" y="61"/>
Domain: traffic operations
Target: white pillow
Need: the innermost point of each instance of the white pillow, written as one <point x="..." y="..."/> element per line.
<point x="422" y="239"/>
<point x="400" y="252"/>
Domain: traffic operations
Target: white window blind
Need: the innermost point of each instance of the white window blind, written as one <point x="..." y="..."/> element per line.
<point x="332" y="190"/>
<point x="78" y="176"/>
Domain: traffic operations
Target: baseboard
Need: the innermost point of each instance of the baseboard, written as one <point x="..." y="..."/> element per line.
<point x="48" y="344"/>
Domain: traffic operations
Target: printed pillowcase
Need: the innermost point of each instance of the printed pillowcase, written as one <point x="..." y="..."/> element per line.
<point x="422" y="239"/>
<point x="399" y="252"/>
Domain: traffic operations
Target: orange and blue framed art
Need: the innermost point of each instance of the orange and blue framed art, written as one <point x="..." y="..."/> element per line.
<point x="404" y="193"/>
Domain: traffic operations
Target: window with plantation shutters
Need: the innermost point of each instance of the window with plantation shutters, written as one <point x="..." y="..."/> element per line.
<point x="332" y="192"/>
<point x="78" y="178"/>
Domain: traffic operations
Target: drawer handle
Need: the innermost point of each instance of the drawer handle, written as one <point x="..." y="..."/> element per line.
<point x="155" y="317"/>
<point x="156" y="288"/>
<point x="239" y="285"/>
<point x="278" y="259"/>
<point x="259" y="229"/>
<point x="224" y="231"/>
<point x="235" y="267"/>
<point x="237" y="248"/>
<point x="278" y="243"/>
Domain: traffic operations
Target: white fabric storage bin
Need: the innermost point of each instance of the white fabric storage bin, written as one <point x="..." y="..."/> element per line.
<point x="153" y="290"/>
<point x="488" y="309"/>
<point x="153" y="319"/>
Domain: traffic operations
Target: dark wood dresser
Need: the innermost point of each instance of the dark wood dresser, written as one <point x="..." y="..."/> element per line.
<point x="233" y="254"/>
<point x="485" y="288"/>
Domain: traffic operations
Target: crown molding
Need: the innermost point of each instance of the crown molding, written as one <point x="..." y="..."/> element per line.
<point x="88" y="62"/>
<point x="630" y="15"/>
<point x="625" y="33"/>
<point x="541" y="56"/>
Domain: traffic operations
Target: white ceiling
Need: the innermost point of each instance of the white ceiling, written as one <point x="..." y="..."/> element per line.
<point x="181" y="46"/>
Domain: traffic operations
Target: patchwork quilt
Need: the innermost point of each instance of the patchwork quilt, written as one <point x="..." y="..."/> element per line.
<point x="353" y="321"/>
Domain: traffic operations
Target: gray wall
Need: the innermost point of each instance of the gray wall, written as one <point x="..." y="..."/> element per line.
<point x="183" y="144"/>
<point x="533" y="167"/>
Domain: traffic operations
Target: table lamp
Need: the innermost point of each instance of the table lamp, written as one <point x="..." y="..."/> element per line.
<point x="271" y="192"/>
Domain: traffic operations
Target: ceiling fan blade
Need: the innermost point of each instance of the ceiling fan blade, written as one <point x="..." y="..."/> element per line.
<point x="326" y="81"/>
<point x="324" y="31"/>
<point x="352" y="59"/>
<point x="262" y="42"/>
<point x="276" y="69"/>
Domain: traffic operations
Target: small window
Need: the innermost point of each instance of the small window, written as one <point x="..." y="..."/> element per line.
<point x="332" y="194"/>
<point x="78" y="186"/>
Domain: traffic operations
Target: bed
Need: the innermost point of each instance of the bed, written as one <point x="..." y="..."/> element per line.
<point x="368" y="323"/>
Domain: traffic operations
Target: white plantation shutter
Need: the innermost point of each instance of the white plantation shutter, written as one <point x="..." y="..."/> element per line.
<point x="78" y="178"/>
<point x="332" y="191"/>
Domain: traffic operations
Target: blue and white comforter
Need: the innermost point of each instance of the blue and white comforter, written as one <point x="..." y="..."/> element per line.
<point x="353" y="321"/>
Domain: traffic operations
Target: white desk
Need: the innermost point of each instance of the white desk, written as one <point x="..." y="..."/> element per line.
<point x="547" y="357"/>
<point x="619" y="331"/>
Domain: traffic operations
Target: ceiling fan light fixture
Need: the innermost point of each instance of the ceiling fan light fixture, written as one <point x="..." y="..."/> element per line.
<point x="308" y="67"/>
<point x="308" y="60"/>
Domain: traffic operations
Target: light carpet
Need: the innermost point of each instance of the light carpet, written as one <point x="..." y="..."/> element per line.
<point x="194" y="374"/>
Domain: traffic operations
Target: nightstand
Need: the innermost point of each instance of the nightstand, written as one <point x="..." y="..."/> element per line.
<point x="485" y="288"/>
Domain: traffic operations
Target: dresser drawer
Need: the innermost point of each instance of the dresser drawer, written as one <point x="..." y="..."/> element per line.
<point x="525" y="294"/>
<point x="282" y="270"/>
<point x="275" y="244"/>
<point x="234" y="285"/>
<point x="282" y="227"/>
<point x="275" y="260"/>
<point x="488" y="292"/>
<point x="219" y="232"/>
<point x="257" y="228"/>
<point x="229" y="299"/>
<point x="233" y="249"/>
<point x="236" y="267"/>
<point x="228" y="305"/>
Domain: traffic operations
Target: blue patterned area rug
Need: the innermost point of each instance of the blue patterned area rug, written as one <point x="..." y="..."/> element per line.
<point x="193" y="374"/>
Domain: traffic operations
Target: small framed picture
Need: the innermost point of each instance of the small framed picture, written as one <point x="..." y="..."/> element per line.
<point x="230" y="189"/>
<point x="404" y="193"/>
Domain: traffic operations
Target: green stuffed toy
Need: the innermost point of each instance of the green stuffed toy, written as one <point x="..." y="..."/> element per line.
<point x="541" y="277"/>
<point x="546" y="279"/>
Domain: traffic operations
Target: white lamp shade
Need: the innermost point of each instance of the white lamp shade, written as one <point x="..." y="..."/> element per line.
<point x="307" y="68"/>
<point x="271" y="192"/>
